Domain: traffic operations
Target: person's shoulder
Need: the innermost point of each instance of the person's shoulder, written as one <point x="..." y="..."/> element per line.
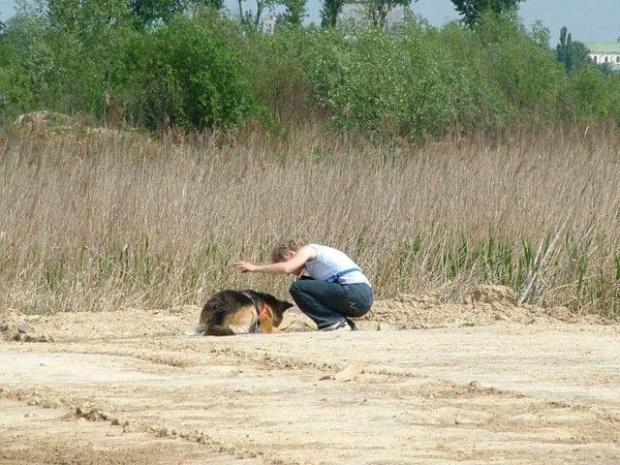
<point x="312" y="250"/>
<point x="326" y="248"/>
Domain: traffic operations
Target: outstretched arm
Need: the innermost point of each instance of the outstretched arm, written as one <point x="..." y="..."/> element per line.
<point x="293" y="265"/>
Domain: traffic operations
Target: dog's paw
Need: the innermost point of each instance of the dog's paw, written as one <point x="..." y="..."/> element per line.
<point x="197" y="331"/>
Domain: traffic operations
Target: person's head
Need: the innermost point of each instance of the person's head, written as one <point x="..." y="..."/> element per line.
<point x="283" y="251"/>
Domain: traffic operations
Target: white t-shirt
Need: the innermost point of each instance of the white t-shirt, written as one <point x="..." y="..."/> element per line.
<point x="331" y="262"/>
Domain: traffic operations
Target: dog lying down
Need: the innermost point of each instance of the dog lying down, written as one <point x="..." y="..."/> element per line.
<point x="231" y="312"/>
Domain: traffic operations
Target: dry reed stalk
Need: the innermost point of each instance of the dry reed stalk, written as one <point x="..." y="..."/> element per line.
<point x="107" y="220"/>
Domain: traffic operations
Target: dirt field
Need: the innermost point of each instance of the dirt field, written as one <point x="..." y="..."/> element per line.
<point x="484" y="382"/>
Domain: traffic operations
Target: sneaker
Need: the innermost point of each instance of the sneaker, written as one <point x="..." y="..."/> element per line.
<point x="352" y="325"/>
<point x="342" y="325"/>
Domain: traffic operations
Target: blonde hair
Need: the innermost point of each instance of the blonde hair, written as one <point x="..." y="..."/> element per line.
<point x="281" y="248"/>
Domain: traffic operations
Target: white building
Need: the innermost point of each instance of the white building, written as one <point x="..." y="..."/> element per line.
<point x="605" y="53"/>
<point x="269" y="24"/>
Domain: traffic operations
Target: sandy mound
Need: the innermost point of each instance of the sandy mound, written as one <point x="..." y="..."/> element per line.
<point x="295" y="321"/>
<point x="53" y="123"/>
<point x="499" y="295"/>
<point x="45" y="120"/>
<point x="487" y="305"/>
<point x="17" y="327"/>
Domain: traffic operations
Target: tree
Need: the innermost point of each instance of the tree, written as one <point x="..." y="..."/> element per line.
<point x="153" y="11"/>
<point x="572" y="54"/>
<point x="540" y="34"/>
<point x="378" y="10"/>
<point x="189" y="73"/>
<point x="330" y="11"/>
<point x="87" y="16"/>
<point x="471" y="10"/>
<point x="249" y="18"/>
<point x="295" y="11"/>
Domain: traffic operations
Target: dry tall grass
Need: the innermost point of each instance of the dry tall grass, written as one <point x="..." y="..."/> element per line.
<point x="106" y="220"/>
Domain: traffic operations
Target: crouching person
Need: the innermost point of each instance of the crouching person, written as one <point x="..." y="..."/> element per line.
<point x="331" y="288"/>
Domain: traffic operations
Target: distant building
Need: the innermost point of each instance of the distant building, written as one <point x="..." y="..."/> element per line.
<point x="269" y="24"/>
<point x="605" y="53"/>
<point x="356" y="13"/>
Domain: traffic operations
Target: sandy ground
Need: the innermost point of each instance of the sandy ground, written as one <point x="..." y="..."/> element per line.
<point x="484" y="382"/>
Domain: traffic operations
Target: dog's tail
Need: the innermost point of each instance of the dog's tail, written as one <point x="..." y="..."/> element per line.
<point x="219" y="330"/>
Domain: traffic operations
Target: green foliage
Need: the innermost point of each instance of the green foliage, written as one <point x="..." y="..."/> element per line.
<point x="572" y="54"/>
<point x="201" y="70"/>
<point x="189" y="74"/>
<point x="330" y="11"/>
<point x="253" y="17"/>
<point x="530" y="78"/>
<point x="473" y="10"/>
<point x="27" y="66"/>
<point x="277" y="74"/>
<point x="540" y="34"/>
<point x="595" y="96"/>
<point x="69" y="60"/>
<point x="295" y="12"/>
<point x="15" y="94"/>
<point x="378" y="10"/>
<point x="420" y="84"/>
<point x="491" y="261"/>
<point x="87" y="17"/>
<point x="153" y="12"/>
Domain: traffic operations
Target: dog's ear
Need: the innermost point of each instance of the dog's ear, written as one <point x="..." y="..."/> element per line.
<point x="275" y="303"/>
<point x="283" y="305"/>
<point x="278" y="311"/>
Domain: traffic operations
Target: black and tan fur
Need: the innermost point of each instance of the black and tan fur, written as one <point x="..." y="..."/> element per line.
<point x="231" y="312"/>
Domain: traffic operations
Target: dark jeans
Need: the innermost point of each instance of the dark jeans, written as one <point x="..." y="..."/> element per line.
<point x="327" y="303"/>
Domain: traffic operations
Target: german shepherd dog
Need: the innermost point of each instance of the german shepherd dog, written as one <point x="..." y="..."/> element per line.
<point x="231" y="312"/>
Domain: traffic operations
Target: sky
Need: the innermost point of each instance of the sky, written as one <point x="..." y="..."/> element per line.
<point x="587" y="20"/>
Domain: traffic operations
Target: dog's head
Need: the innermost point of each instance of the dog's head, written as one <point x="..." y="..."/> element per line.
<point x="277" y="306"/>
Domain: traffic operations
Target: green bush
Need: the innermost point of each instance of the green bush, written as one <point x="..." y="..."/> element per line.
<point x="407" y="84"/>
<point x="26" y="65"/>
<point x="190" y="74"/>
<point x="529" y="76"/>
<point x="593" y="96"/>
<point x="15" y="91"/>
<point x="60" y="70"/>
<point x="277" y="75"/>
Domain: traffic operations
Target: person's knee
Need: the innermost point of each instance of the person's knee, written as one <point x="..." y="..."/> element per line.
<point x="296" y="288"/>
<point x="305" y="283"/>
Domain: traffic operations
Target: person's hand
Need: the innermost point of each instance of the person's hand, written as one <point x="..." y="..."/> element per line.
<point x="245" y="267"/>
